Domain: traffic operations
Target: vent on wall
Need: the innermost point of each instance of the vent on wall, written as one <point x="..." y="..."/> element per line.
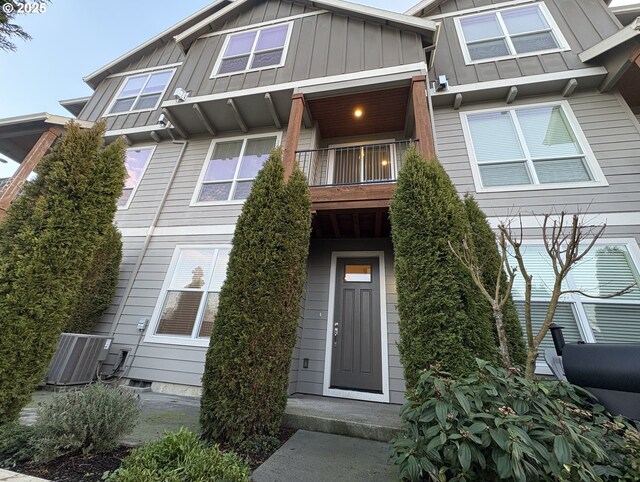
<point x="77" y="359"/>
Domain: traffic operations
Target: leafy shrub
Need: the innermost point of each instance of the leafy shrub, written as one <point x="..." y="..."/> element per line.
<point x="264" y="444"/>
<point x="443" y="316"/>
<point x="180" y="456"/>
<point x="47" y="241"/>
<point x="16" y="444"/>
<point x="91" y="420"/>
<point x="246" y="372"/>
<point x="490" y="426"/>
<point x="99" y="284"/>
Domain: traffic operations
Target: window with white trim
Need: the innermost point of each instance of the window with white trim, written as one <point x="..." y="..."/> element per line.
<point x="233" y="165"/>
<point x="254" y="49"/>
<point x="608" y="268"/>
<point x="141" y="92"/>
<point x="509" y="32"/>
<point x="531" y="146"/>
<point x="136" y="162"/>
<point x="189" y="301"/>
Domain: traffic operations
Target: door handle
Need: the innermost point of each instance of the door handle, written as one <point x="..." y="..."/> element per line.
<point x="336" y="329"/>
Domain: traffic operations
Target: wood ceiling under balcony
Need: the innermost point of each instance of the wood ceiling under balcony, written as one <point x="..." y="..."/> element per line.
<point x="364" y="223"/>
<point x="382" y="111"/>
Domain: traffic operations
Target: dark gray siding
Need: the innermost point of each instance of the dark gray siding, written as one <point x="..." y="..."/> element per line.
<point x="611" y="132"/>
<point x="314" y="328"/>
<point x="321" y="45"/>
<point x="583" y="23"/>
<point x="169" y="53"/>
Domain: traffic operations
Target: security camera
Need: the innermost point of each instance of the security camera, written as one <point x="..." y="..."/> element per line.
<point x="162" y="120"/>
<point x="180" y="94"/>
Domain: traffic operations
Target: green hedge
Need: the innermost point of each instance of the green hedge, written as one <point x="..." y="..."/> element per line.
<point x="47" y="242"/>
<point x="99" y="284"/>
<point x="443" y="318"/>
<point x="247" y="367"/>
<point x="490" y="263"/>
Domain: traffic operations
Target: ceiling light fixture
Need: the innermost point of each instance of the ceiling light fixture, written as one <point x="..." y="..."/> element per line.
<point x="357" y="113"/>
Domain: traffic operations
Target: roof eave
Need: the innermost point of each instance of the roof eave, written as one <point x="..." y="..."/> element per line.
<point x="624" y="35"/>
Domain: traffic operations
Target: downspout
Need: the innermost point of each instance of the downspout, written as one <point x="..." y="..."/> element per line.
<point x="143" y="251"/>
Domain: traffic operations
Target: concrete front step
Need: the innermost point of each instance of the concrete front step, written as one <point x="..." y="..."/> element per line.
<point x="353" y="418"/>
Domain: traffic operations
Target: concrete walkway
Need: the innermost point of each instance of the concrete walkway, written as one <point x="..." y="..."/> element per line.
<point x="7" y="476"/>
<point x="321" y="457"/>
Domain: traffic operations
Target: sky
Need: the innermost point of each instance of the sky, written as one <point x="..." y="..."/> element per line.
<point x="76" y="37"/>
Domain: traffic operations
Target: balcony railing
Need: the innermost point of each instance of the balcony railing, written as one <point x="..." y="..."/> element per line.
<point x="353" y="164"/>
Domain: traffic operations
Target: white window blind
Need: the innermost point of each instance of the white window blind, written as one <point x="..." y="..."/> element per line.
<point x="527" y="146"/>
<point x="607" y="269"/>
<point x="190" y="300"/>
<point x="509" y="32"/>
<point x="141" y="92"/>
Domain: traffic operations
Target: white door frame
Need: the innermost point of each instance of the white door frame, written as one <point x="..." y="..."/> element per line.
<point x="354" y="394"/>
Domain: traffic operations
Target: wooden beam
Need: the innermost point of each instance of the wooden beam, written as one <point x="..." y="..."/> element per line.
<point x="316" y="226"/>
<point x="457" y="101"/>
<point x="204" y="119"/>
<point x="356" y="224"/>
<point x="28" y="165"/>
<point x="293" y="133"/>
<point x="571" y="86"/>
<point x="334" y="224"/>
<point x="424" y="130"/>
<point x="176" y="125"/>
<point x="635" y="56"/>
<point x="236" y="113"/>
<point x="127" y="139"/>
<point x="307" y="117"/>
<point x="272" y="110"/>
<point x="155" y="136"/>
<point x="378" y="226"/>
<point x="511" y="95"/>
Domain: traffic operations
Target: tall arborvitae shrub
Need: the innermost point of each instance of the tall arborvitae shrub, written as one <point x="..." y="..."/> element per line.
<point x="99" y="284"/>
<point x="490" y="264"/>
<point x="47" y="242"/>
<point x="247" y="367"/>
<point x="444" y="320"/>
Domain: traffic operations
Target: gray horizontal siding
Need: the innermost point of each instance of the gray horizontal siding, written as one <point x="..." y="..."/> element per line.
<point x="156" y="361"/>
<point x="168" y="53"/>
<point x="583" y="23"/>
<point x="608" y="127"/>
<point x="322" y="45"/>
<point x="177" y="212"/>
<point x="152" y="186"/>
<point x="314" y="328"/>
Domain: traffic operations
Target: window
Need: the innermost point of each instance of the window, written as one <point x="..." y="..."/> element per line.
<point x="531" y="147"/>
<point x="136" y="162"/>
<point x="509" y="32"/>
<point x="189" y="302"/>
<point x="609" y="267"/>
<point x="357" y="273"/>
<point x="141" y="92"/>
<point x="254" y="49"/>
<point x="232" y="166"/>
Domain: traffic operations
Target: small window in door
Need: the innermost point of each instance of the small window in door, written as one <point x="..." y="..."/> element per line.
<point x="357" y="273"/>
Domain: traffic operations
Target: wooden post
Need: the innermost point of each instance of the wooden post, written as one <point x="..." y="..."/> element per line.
<point x="293" y="134"/>
<point x="27" y="166"/>
<point x="424" y="130"/>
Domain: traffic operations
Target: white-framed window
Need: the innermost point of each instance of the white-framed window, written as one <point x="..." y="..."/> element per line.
<point x="257" y="49"/>
<point x="612" y="265"/>
<point x="535" y="146"/>
<point x="188" y="303"/>
<point x="231" y="166"/>
<point x="141" y="92"/>
<point x="508" y="33"/>
<point x="136" y="162"/>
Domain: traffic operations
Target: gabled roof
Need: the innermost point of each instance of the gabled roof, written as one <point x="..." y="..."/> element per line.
<point x="74" y="106"/>
<point x="423" y="5"/>
<point x="398" y="20"/>
<point x="94" y="78"/>
<point x="629" y="32"/>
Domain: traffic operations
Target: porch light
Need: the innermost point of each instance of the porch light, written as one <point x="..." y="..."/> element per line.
<point x="357" y="113"/>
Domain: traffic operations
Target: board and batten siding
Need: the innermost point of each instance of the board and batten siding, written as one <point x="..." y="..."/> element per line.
<point x="583" y="24"/>
<point x="321" y="45"/>
<point x="610" y="130"/>
<point x="167" y="54"/>
<point x="314" y="324"/>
